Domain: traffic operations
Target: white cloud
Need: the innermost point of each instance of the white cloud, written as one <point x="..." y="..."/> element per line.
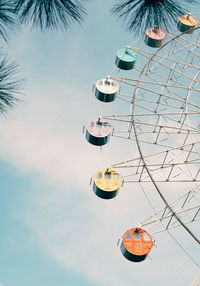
<point x="44" y="137"/>
<point x="79" y="230"/>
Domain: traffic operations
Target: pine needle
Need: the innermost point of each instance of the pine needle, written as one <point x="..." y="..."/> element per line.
<point x="10" y="85"/>
<point x="8" y="20"/>
<point x="139" y="15"/>
<point x="50" y="14"/>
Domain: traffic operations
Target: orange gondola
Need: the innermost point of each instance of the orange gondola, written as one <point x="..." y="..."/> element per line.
<point x="136" y="244"/>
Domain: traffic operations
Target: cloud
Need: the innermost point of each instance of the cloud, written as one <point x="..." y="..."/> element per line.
<point x="43" y="137"/>
<point x="74" y="226"/>
<point x="78" y="229"/>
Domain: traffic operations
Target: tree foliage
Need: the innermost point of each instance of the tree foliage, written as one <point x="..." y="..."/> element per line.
<point x="138" y="15"/>
<point x="10" y="85"/>
<point x="50" y="14"/>
<point x="8" y="20"/>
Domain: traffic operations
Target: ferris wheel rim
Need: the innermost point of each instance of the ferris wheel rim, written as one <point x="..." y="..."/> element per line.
<point x="138" y="142"/>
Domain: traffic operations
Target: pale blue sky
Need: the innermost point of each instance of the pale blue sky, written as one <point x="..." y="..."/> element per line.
<point x="54" y="231"/>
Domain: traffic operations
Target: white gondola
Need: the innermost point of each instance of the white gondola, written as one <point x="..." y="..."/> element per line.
<point x="106" y="90"/>
<point x="98" y="132"/>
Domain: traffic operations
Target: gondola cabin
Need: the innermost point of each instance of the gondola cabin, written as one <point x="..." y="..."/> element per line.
<point x="187" y="22"/>
<point x="98" y="132"/>
<point x="125" y="59"/>
<point x="106" y="183"/>
<point x="106" y="90"/>
<point x="154" y="37"/>
<point x="136" y="244"/>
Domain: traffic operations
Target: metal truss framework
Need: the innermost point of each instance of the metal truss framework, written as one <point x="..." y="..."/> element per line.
<point x="196" y="282"/>
<point x="187" y="206"/>
<point x="163" y="120"/>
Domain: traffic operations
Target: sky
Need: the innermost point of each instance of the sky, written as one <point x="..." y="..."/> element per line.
<point x="54" y="230"/>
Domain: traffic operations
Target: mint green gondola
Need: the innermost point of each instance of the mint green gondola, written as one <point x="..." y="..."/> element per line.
<point x="125" y="59"/>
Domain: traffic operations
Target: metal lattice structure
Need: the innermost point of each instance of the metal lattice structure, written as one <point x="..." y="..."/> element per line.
<point x="196" y="282"/>
<point x="164" y="121"/>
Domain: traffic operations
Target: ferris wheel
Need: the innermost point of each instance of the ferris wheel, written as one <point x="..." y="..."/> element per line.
<point x="163" y="119"/>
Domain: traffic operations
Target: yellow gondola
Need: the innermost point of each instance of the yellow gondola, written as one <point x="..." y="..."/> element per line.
<point x="187" y="22"/>
<point x="106" y="183"/>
